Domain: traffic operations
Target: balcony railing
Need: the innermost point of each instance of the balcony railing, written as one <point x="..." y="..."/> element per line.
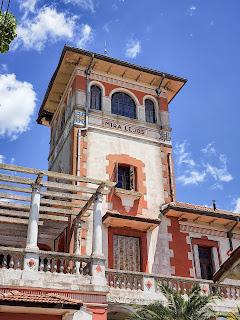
<point x="11" y="258"/>
<point x="65" y="263"/>
<point x="143" y="282"/>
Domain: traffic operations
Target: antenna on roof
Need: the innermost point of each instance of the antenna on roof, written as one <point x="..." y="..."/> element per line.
<point x="105" y="49"/>
<point x="214" y="205"/>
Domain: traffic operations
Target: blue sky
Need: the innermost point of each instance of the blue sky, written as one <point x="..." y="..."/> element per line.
<point x="198" y="40"/>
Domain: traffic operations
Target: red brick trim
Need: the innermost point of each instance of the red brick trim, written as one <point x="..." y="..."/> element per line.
<point x="168" y="180"/>
<point x="205" y="242"/>
<point x="139" y="204"/>
<point x="180" y="248"/>
<point x="131" y="233"/>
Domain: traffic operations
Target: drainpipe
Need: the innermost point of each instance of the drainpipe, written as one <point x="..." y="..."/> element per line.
<point x="87" y="75"/>
<point x="230" y="235"/>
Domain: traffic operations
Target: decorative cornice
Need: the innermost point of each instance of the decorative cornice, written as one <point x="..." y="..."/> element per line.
<point x="202" y="230"/>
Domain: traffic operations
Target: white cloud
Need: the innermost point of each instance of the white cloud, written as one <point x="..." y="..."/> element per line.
<point x="209" y="149"/>
<point x="85" y="4"/>
<point x="193" y="8"/>
<point x="47" y="25"/>
<point x="237" y="205"/>
<point x="17" y="103"/>
<point x="219" y="174"/>
<point x="192" y="177"/>
<point x="3" y="68"/>
<point x="27" y="5"/>
<point x="2" y="158"/>
<point x="183" y="157"/>
<point x="106" y="27"/>
<point x="133" y="48"/>
<point x="86" y="36"/>
<point x="190" y="171"/>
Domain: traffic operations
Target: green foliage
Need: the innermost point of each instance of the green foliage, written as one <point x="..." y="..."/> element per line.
<point x="8" y="27"/>
<point x="234" y="316"/>
<point x="192" y="306"/>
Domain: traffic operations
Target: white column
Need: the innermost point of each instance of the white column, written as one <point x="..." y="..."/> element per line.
<point x="197" y="261"/>
<point x="215" y="258"/>
<point x="32" y="234"/>
<point x="77" y="239"/>
<point x="97" y="226"/>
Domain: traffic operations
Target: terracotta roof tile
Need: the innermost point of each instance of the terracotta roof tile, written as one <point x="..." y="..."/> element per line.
<point x="49" y="298"/>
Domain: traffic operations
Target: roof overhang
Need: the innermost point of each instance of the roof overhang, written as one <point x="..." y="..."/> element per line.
<point x="117" y="220"/>
<point x="200" y="214"/>
<point x="230" y="269"/>
<point x="73" y="57"/>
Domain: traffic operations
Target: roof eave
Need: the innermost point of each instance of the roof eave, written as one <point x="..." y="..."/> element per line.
<point x="110" y="60"/>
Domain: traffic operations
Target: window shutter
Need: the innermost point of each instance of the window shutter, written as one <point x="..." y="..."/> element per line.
<point x="132" y="178"/>
<point x="115" y="173"/>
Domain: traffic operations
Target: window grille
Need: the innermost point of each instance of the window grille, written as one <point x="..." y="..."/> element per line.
<point x="123" y="105"/>
<point x="150" y="111"/>
<point x="96" y="98"/>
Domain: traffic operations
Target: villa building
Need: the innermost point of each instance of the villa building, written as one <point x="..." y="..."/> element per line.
<point x="102" y="229"/>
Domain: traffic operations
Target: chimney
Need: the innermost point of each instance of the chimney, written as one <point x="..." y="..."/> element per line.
<point x="214" y="205"/>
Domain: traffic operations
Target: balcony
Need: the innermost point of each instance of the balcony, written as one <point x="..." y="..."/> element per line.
<point x="137" y="288"/>
<point x="58" y="205"/>
<point x="60" y="201"/>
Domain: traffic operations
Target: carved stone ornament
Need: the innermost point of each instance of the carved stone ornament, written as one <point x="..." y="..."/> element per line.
<point x="98" y="268"/>
<point x="31" y="262"/>
<point x="127" y="197"/>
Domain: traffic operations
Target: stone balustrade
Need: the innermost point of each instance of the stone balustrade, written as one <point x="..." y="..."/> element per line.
<point x="55" y="262"/>
<point x="11" y="258"/>
<point x="120" y="279"/>
<point x="141" y="288"/>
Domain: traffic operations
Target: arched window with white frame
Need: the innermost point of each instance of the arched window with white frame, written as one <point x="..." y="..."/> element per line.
<point x="123" y="105"/>
<point x="150" y="115"/>
<point x="96" y="98"/>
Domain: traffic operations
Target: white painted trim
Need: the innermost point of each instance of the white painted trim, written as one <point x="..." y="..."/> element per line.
<point x="99" y="84"/>
<point x="215" y="258"/>
<point x="120" y="89"/>
<point x="196" y="261"/>
<point x="156" y="106"/>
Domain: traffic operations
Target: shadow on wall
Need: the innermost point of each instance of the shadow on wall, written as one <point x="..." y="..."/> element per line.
<point x="161" y="263"/>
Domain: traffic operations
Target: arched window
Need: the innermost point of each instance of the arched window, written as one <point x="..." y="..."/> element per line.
<point x="96" y="98"/>
<point x="150" y="111"/>
<point x="123" y="105"/>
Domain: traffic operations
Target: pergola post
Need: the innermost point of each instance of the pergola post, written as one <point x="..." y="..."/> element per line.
<point x="77" y="242"/>
<point x="98" y="260"/>
<point x="31" y="260"/>
<point x="97" y="226"/>
<point x="32" y="233"/>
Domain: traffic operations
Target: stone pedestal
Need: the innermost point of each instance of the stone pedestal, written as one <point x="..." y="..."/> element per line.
<point x="98" y="272"/>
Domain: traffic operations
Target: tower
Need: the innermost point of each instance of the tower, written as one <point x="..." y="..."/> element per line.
<point x="109" y="120"/>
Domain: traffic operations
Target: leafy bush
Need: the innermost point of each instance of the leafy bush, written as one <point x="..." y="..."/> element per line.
<point x="8" y="28"/>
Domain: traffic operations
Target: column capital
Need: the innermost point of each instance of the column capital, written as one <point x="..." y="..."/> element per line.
<point x="36" y="187"/>
<point x="98" y="197"/>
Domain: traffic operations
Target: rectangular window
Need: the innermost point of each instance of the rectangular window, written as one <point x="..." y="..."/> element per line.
<point x="126" y="253"/>
<point x="125" y="177"/>
<point x="206" y="262"/>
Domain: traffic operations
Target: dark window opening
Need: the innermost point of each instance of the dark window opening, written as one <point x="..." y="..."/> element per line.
<point x="96" y="98"/>
<point x="150" y="111"/>
<point x="126" y="177"/>
<point x="206" y="262"/>
<point x="123" y="105"/>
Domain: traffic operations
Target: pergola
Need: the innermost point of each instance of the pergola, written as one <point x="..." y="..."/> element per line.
<point x="36" y="206"/>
